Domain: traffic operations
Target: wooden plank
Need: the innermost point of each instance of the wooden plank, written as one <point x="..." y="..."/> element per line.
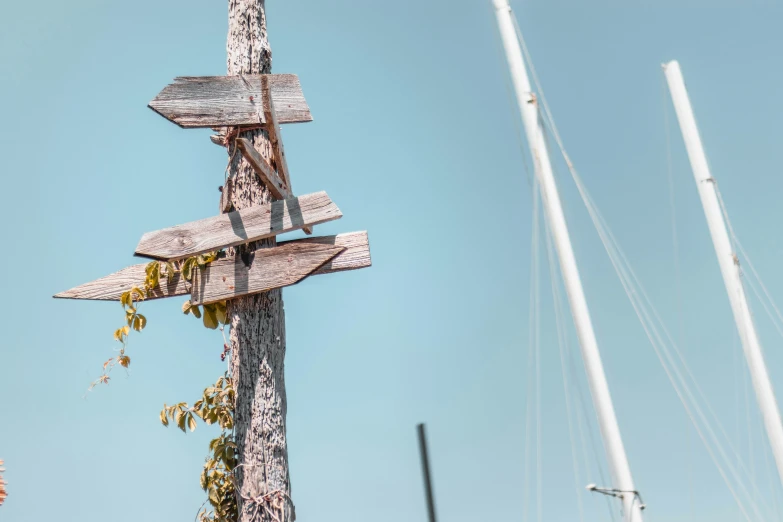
<point x="111" y="287"/>
<point x="276" y="139"/>
<point x="223" y="101"/>
<point x="356" y="254"/>
<point x="238" y="227"/>
<point x="269" y="268"/>
<point x="273" y="129"/>
<point x="264" y="170"/>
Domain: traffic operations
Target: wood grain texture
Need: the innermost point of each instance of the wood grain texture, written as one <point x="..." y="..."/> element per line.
<point x="273" y="130"/>
<point x="355" y="254"/>
<point x="268" y="269"/>
<point x="257" y="333"/>
<point x="264" y="170"/>
<point x="238" y="227"/>
<point x="276" y="139"/>
<point x="227" y="101"/>
<point x="111" y="287"/>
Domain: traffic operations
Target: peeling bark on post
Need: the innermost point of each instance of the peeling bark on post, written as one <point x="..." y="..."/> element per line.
<point x="257" y="322"/>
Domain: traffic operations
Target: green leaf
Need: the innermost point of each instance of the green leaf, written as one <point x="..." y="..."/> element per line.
<point x="196" y="311"/>
<point x="187" y="307"/>
<point x="210" y="317"/>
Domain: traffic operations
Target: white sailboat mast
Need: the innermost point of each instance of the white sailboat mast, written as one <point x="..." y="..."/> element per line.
<point x="610" y="431"/>
<point x="728" y="261"/>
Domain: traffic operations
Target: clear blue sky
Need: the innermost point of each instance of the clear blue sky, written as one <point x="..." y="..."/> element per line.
<point x="415" y="139"/>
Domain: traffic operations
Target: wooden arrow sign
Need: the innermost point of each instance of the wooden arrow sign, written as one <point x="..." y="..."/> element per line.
<point x="270" y="268"/>
<point x="227" y="101"/>
<point x="239" y="227"/>
<point x="354" y="254"/>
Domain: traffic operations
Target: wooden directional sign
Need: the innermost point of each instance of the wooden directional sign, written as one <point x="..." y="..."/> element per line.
<point x="227" y="101"/>
<point x="270" y="268"/>
<point x="354" y="254"/>
<point x="239" y="227"/>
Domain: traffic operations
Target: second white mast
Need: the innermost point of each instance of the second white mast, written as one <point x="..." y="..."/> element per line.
<point x="728" y="261"/>
<point x="528" y="106"/>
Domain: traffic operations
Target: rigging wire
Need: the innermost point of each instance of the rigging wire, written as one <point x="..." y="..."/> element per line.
<point x="596" y="453"/>
<point x="532" y="327"/>
<point x="668" y="362"/>
<point x="777" y="317"/>
<point x="539" y="453"/>
<point x="680" y="387"/>
<point x="677" y="273"/>
<point x="513" y="103"/>
<point x="642" y="313"/>
<point x="624" y="270"/>
<point x="562" y="345"/>
<point x="773" y="312"/>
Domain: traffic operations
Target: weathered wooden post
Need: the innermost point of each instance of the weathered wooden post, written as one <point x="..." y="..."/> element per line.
<point x="258" y="321"/>
<point x="246" y="107"/>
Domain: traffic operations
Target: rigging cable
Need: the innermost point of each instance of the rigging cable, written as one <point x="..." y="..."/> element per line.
<point x="767" y="302"/>
<point x="677" y="273"/>
<point x="642" y="313"/>
<point x="532" y="322"/>
<point x="562" y="345"/>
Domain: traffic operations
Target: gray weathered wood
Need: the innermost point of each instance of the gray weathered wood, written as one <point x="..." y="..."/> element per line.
<point x="264" y="170"/>
<point x="356" y="254"/>
<point x="111" y="287"/>
<point x="268" y="269"/>
<point x="223" y="101"/>
<point x="239" y="227"/>
<point x="276" y="139"/>
<point x="273" y="130"/>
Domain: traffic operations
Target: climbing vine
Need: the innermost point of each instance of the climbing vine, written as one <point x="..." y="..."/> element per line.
<point x="216" y="406"/>
<point x="213" y="314"/>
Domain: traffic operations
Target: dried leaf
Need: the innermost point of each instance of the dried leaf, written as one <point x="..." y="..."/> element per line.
<point x="210" y="316"/>
<point x="220" y="311"/>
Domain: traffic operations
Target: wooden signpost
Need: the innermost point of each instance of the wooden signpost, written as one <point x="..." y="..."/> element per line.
<point x="245" y="111"/>
<point x="234" y="103"/>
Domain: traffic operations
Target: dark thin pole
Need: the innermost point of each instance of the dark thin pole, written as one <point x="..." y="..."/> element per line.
<point x="425" y="466"/>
